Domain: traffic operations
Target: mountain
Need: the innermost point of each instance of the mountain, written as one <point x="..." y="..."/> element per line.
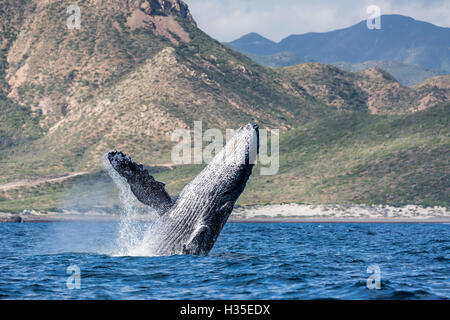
<point x="133" y="73"/>
<point x="254" y="43"/>
<point x="372" y="90"/>
<point x="352" y="158"/>
<point x="360" y="158"/>
<point x="133" y="64"/>
<point x="406" y="74"/>
<point x="401" y="39"/>
<point x="18" y="124"/>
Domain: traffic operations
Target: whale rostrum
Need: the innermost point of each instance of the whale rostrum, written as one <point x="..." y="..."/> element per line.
<point x="191" y="223"/>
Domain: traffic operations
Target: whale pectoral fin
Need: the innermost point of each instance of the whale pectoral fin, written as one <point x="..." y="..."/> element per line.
<point x="145" y="188"/>
<point x="198" y="244"/>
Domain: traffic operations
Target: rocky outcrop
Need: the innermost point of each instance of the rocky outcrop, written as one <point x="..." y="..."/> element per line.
<point x="166" y="26"/>
<point x="13" y="218"/>
<point x="163" y="7"/>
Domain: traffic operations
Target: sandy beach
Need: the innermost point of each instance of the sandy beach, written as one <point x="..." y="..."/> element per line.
<point x="339" y="212"/>
<point x="286" y="213"/>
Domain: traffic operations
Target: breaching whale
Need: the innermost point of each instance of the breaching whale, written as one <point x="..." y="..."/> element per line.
<point x="191" y="223"/>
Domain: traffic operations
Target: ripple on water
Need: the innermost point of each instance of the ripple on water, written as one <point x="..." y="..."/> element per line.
<point x="249" y="261"/>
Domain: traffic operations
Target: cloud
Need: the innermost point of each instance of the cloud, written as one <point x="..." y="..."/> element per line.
<point x="227" y="20"/>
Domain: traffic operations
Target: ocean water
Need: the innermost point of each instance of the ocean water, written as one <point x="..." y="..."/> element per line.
<point x="249" y="261"/>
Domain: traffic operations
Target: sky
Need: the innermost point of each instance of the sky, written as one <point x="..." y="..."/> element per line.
<point x="227" y="20"/>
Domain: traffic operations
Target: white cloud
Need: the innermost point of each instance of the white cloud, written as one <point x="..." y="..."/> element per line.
<point x="227" y="20"/>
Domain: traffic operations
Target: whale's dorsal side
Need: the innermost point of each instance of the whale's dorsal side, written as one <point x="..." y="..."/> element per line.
<point x="144" y="187"/>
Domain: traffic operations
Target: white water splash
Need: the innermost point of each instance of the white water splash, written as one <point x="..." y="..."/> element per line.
<point x="218" y="177"/>
<point x="132" y="232"/>
<point x="151" y="237"/>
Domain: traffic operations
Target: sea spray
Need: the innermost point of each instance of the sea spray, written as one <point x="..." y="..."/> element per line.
<point x="151" y="238"/>
<point x="131" y="230"/>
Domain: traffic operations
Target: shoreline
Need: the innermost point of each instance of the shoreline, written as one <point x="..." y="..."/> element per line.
<point x="286" y="213"/>
<point x="343" y="221"/>
<point x="297" y="220"/>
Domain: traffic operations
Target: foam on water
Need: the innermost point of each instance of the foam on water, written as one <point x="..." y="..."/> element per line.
<point x="147" y="246"/>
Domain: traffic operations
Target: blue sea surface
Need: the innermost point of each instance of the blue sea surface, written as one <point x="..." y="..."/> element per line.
<point x="249" y="261"/>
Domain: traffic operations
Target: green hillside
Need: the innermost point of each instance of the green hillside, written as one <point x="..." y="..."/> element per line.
<point x="18" y="124"/>
<point x="354" y="158"/>
<point x="357" y="158"/>
<point x="127" y="79"/>
<point x="406" y="74"/>
<point x="138" y="70"/>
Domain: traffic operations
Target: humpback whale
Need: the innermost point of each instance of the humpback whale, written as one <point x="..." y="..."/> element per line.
<point x="191" y="223"/>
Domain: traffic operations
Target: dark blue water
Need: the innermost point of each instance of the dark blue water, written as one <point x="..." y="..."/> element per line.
<point x="249" y="261"/>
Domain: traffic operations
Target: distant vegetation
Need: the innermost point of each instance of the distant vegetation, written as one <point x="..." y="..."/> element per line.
<point x="69" y="96"/>
<point x="354" y="158"/>
<point x="406" y="74"/>
<point x="18" y="125"/>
